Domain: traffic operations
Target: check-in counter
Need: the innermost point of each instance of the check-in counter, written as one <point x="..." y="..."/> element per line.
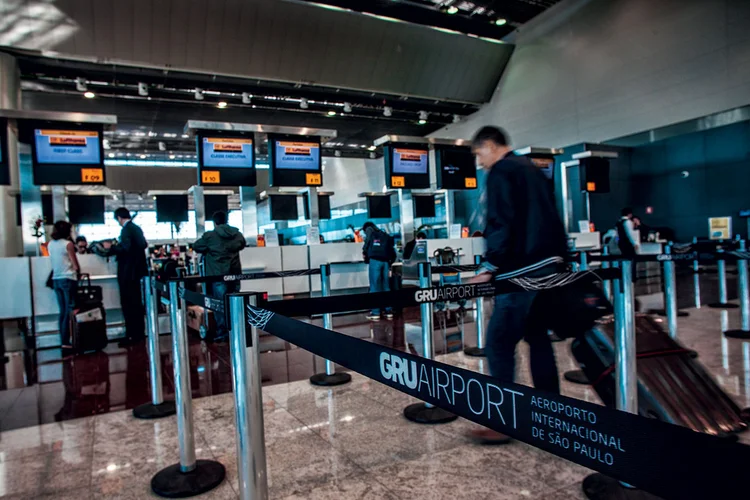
<point x="262" y="260"/>
<point x="16" y="298"/>
<point x="294" y="258"/>
<point x="348" y="269"/>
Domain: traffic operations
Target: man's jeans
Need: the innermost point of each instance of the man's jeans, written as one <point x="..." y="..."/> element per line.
<point x="220" y="289"/>
<point x="379" y="280"/>
<point x="512" y="321"/>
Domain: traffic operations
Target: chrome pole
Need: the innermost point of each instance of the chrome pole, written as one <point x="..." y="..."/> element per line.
<point x="625" y="354"/>
<point x="606" y="284"/>
<point x="722" y="281"/>
<point x="330" y="377"/>
<point x="248" y="403"/>
<point x="157" y="408"/>
<point x="670" y="293"/>
<point x="584" y="265"/>
<point x="479" y="304"/>
<point x="743" y="289"/>
<point x="182" y="391"/>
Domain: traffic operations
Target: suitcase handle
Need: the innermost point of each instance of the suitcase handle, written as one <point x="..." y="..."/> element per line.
<point x="84" y="276"/>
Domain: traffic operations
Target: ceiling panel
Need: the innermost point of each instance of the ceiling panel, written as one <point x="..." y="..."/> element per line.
<point x="266" y="39"/>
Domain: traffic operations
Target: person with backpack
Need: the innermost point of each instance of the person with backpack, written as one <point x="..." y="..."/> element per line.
<point x="379" y="252"/>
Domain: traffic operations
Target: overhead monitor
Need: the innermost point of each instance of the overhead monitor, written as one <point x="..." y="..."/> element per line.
<point x="295" y="160"/>
<point x="379" y="207"/>
<point x="4" y="161"/>
<point x="324" y="206"/>
<point x="226" y="159"/>
<point x="86" y="209"/>
<point x="65" y="154"/>
<point x="171" y="208"/>
<point x="215" y="203"/>
<point x="424" y="205"/>
<point x="456" y="168"/>
<point x="407" y="166"/>
<point x="283" y="207"/>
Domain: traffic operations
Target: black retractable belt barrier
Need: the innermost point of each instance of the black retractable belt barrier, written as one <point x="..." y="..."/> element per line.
<point x="205" y="301"/>
<point x="455" y="269"/>
<point x="667" y="460"/>
<point x="247" y="276"/>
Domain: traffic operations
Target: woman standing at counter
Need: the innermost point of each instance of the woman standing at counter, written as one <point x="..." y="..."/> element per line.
<point x="65" y="270"/>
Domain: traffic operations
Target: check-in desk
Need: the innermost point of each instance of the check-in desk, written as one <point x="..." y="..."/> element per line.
<point x="262" y="260"/>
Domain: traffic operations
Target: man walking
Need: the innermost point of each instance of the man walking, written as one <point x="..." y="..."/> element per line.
<point x="131" y="267"/>
<point x="379" y="253"/>
<point x="523" y="233"/>
<point x="221" y="250"/>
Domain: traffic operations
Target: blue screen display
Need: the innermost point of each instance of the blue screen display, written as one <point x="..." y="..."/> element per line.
<point x="297" y="155"/>
<point x="227" y="152"/>
<point x="68" y="147"/>
<point x="410" y="161"/>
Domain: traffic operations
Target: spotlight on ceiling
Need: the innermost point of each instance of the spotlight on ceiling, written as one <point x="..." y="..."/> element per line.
<point x="303" y="103"/>
<point x="422" y="117"/>
<point x="81" y="84"/>
<point x="500" y="21"/>
<point x="452" y="9"/>
<point x="142" y="89"/>
<point x="89" y="95"/>
<point x="198" y="94"/>
<point x="221" y="105"/>
<point x="456" y="118"/>
<point x="387" y="111"/>
<point x="246" y="98"/>
<point x="332" y="113"/>
<point x="347" y="107"/>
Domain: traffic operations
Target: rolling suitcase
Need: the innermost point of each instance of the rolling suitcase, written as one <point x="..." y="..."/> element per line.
<point x="672" y="386"/>
<point x="88" y="323"/>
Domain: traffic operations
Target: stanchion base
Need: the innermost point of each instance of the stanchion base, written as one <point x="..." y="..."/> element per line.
<point x="662" y="312"/>
<point x="737" y="334"/>
<point x="323" y="379"/>
<point x="150" y="411"/>
<point x="719" y="305"/>
<point x="601" y="487"/>
<point x="477" y="352"/>
<point x="171" y="482"/>
<point x="577" y="377"/>
<point x="423" y="414"/>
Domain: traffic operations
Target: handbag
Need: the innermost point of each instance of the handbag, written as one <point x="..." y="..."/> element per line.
<point x="50" y="283"/>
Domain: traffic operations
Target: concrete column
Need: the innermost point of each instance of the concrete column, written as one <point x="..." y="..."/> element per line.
<point x="10" y="98"/>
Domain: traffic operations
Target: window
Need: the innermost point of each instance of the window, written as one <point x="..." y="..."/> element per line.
<point x="154" y="231"/>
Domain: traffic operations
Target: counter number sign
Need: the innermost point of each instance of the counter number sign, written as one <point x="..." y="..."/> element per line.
<point x="92" y="175"/>
<point x="398" y="181"/>
<point x="470" y="182"/>
<point x="313" y="179"/>
<point x="210" y="177"/>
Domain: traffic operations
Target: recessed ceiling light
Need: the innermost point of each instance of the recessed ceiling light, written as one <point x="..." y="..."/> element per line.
<point x="452" y="9"/>
<point x="89" y="95"/>
<point x="500" y="21"/>
<point x="221" y="105"/>
<point x="331" y="113"/>
<point x="422" y="122"/>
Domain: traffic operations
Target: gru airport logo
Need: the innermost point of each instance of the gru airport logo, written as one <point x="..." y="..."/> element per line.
<point x="481" y="398"/>
<point x="447" y="293"/>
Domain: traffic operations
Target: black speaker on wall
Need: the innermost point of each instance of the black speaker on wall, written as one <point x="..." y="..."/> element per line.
<point x="594" y="174"/>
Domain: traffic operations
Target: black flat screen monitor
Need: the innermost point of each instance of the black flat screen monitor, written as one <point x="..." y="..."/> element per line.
<point x="216" y="203"/>
<point x="407" y="166"/>
<point x="456" y="168"/>
<point x="424" y="206"/>
<point x="4" y="162"/>
<point x="86" y="209"/>
<point x="283" y="207"/>
<point x="226" y="159"/>
<point x="295" y="160"/>
<point x="324" y="206"/>
<point x="67" y="154"/>
<point x="172" y="208"/>
<point x="379" y="207"/>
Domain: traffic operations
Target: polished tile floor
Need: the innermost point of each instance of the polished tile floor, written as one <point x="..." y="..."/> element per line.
<point x="349" y="442"/>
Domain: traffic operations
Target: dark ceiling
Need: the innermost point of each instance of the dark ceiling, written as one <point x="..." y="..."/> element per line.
<point x="492" y="19"/>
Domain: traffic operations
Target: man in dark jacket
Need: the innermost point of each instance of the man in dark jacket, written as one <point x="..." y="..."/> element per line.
<point x="523" y="231"/>
<point x="221" y="254"/>
<point x="379" y="253"/>
<point x="131" y="267"/>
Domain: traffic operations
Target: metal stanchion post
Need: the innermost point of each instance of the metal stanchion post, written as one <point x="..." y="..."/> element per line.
<point x="598" y="486"/>
<point x="189" y="477"/>
<point x="606" y="284"/>
<point x="743" y="289"/>
<point x="248" y="403"/>
<point x="157" y="408"/>
<point x="203" y="329"/>
<point x="330" y="377"/>
<point x="478" y="351"/>
<point x="584" y="261"/>
<point x="425" y="413"/>
<point x="670" y="293"/>
<point x="722" y="276"/>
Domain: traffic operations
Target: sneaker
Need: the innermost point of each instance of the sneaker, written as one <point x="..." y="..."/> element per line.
<point x="373" y="317"/>
<point x="389" y="315"/>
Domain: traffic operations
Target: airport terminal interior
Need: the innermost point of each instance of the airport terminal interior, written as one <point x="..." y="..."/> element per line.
<point x="254" y="249"/>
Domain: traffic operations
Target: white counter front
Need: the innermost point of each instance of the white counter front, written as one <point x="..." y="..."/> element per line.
<point x="262" y="259"/>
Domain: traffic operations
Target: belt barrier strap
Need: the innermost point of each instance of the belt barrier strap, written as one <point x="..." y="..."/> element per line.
<point x="247" y="276"/>
<point x="162" y="288"/>
<point x="670" y="461"/>
<point x="455" y="269"/>
<point x="204" y="301"/>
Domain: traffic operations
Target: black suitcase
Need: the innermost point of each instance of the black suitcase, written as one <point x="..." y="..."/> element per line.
<point x="672" y="386"/>
<point x="88" y="329"/>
